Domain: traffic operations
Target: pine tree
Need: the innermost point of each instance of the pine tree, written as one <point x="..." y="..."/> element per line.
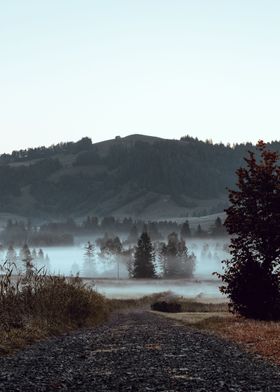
<point x="185" y="230"/>
<point x="143" y="258"/>
<point x="199" y="232"/>
<point x="88" y="266"/>
<point x="89" y="251"/>
<point x="218" y="229"/>
<point x="175" y="260"/>
<point x="26" y="259"/>
<point x="11" y="255"/>
<point x="41" y="254"/>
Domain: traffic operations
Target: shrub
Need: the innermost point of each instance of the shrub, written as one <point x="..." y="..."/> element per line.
<point x="53" y="301"/>
<point x="170" y="307"/>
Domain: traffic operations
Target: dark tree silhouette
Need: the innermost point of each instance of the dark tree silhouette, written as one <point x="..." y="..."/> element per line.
<point x="143" y="258"/>
<point x="176" y="261"/>
<point x="251" y="277"/>
<point x="185" y="230"/>
<point x="218" y="229"/>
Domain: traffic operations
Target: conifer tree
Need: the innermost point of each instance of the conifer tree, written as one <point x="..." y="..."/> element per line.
<point x="143" y="258"/>
<point x="185" y="230"/>
<point x="175" y="259"/>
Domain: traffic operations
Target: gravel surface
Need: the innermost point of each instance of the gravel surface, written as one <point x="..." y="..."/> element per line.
<point x="136" y="351"/>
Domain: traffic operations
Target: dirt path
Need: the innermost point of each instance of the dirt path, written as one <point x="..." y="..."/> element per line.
<point x="136" y="351"/>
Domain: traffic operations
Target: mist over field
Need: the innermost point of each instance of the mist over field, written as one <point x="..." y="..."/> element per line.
<point x="109" y="273"/>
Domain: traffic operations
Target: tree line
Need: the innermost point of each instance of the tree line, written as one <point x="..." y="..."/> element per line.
<point x="63" y="233"/>
<point x="147" y="259"/>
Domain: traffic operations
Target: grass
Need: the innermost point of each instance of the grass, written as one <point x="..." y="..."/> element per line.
<point x="191" y="305"/>
<point x="259" y="337"/>
<point x="36" y="305"/>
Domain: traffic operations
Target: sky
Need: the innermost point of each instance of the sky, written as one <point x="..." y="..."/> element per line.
<point x="168" y="68"/>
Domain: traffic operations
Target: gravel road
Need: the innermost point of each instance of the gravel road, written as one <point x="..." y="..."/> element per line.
<point x="136" y="351"/>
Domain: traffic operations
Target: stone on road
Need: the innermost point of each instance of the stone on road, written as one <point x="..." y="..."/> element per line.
<point x="137" y="351"/>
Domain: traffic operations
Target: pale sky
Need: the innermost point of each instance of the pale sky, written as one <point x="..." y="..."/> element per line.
<point x="74" y="68"/>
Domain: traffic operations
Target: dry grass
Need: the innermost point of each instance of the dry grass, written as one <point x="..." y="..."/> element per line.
<point x="36" y="305"/>
<point x="192" y="318"/>
<point x="260" y="337"/>
<point x="189" y="305"/>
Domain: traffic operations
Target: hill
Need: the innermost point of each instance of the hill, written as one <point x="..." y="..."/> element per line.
<point x="139" y="176"/>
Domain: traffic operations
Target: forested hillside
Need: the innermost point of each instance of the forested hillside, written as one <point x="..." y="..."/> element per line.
<point x="136" y="175"/>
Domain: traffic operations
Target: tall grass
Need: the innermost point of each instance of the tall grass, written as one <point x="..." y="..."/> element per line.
<point x="36" y="304"/>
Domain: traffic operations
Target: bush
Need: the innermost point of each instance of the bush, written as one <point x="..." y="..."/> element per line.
<point x="53" y="301"/>
<point x="170" y="307"/>
<point x="254" y="292"/>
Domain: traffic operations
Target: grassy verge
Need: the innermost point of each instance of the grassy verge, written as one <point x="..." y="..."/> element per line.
<point x="259" y="337"/>
<point x="37" y="305"/>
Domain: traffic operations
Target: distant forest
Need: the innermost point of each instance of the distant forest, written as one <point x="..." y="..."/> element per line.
<point x="107" y="229"/>
<point x="75" y="179"/>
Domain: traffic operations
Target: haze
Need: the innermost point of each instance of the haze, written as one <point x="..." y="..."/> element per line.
<point x="89" y="68"/>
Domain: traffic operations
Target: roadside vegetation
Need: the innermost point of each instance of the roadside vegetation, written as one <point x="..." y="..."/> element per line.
<point x="36" y="305"/>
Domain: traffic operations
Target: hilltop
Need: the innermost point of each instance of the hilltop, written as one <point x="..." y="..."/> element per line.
<point x="138" y="176"/>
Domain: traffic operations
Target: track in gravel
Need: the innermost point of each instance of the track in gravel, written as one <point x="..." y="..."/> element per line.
<point x="136" y="351"/>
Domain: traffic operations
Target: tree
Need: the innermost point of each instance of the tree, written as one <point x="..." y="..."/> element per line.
<point x="110" y="246"/>
<point x="11" y="256"/>
<point x="185" y="230"/>
<point x="88" y="265"/>
<point x="26" y="258"/>
<point x="143" y="258"/>
<point x="41" y="254"/>
<point x="199" y="232"/>
<point x="218" y="229"/>
<point x="251" y="276"/>
<point x="175" y="260"/>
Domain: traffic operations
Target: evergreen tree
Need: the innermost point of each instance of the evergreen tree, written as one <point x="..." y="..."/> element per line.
<point x="34" y="254"/>
<point x="199" y="232"/>
<point x="109" y="246"/>
<point x="26" y="258"/>
<point x="143" y="258"/>
<point x="175" y="259"/>
<point x="185" y="230"/>
<point x="41" y="254"/>
<point x="89" y="251"/>
<point x="88" y="266"/>
<point x="218" y="228"/>
<point x="11" y="255"/>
